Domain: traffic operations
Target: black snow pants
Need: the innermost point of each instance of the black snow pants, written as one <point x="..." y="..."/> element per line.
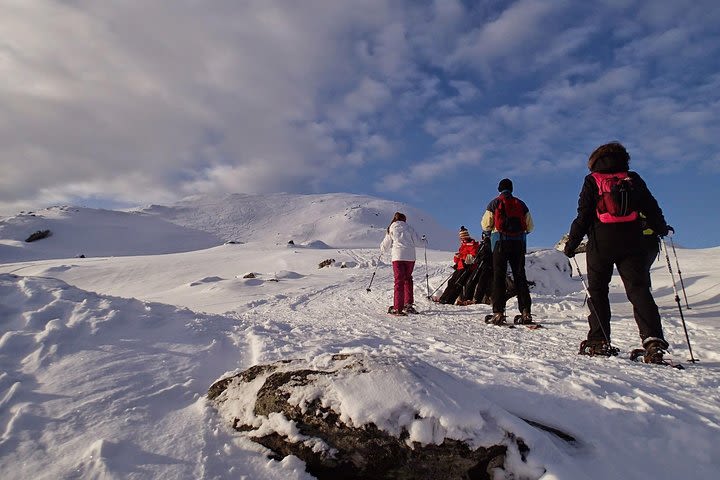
<point x="651" y="244"/>
<point x="512" y="252"/>
<point x="633" y="266"/>
<point x="454" y="286"/>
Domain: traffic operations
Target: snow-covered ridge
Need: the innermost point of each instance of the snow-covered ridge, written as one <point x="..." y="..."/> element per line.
<point x="94" y="233"/>
<point x="317" y="221"/>
<point x="337" y="219"/>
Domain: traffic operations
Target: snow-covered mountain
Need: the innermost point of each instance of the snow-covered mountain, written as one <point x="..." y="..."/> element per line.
<point x="335" y="220"/>
<point x="92" y="232"/>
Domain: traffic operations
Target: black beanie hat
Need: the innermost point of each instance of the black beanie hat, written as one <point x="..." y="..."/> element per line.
<point x="505" y="184"/>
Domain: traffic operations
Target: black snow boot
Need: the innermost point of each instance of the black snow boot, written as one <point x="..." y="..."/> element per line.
<point x="594" y="348"/>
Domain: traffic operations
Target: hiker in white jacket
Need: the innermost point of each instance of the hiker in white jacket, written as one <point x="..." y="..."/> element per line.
<point x="401" y="240"/>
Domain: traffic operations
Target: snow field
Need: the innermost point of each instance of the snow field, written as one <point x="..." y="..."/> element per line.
<point x="105" y="361"/>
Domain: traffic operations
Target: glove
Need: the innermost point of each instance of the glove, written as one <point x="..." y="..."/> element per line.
<point x="569" y="249"/>
<point x="665" y="231"/>
<point x="469" y="259"/>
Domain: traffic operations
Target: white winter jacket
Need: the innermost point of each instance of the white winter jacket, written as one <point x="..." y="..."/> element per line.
<point x="400" y="241"/>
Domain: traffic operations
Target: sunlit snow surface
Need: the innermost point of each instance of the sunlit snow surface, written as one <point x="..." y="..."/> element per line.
<point x="105" y="361"/>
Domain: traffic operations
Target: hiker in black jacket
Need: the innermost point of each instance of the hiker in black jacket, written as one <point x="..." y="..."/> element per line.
<point x="507" y="221"/>
<point x="608" y="207"/>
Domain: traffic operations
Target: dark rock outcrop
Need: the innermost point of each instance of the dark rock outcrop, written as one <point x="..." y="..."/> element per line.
<point x="39" y="235"/>
<point x="333" y="447"/>
<point x="326" y="263"/>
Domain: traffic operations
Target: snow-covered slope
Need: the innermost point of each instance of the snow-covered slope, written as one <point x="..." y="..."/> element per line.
<point x="105" y="360"/>
<point x="93" y="233"/>
<point x="97" y="384"/>
<point x="316" y="221"/>
<point x="336" y="219"/>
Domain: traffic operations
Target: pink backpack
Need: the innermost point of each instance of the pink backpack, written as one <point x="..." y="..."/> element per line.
<point x="615" y="202"/>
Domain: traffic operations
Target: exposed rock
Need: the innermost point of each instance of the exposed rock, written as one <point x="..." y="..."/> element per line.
<point x="326" y="263"/>
<point x="39" y="235"/>
<point x="294" y="407"/>
<point x="249" y="275"/>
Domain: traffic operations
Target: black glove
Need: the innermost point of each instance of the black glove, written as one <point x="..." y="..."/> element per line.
<point x="666" y="230"/>
<point x="569" y="249"/>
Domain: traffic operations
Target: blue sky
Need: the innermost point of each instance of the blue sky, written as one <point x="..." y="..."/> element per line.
<point x="427" y="102"/>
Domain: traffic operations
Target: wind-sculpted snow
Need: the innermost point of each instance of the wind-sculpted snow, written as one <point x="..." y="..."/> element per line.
<point x="82" y="373"/>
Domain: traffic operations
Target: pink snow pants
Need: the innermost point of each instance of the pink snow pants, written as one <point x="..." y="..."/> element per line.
<point x="402" y="269"/>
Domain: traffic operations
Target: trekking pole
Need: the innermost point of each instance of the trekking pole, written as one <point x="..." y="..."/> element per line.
<point x="677" y="300"/>
<point x="589" y="302"/>
<point x="682" y="284"/>
<point x="427" y="275"/>
<point x="443" y="283"/>
<point x="377" y="264"/>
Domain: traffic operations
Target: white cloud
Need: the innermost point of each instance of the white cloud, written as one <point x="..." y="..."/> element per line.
<point x="423" y="171"/>
<point x="147" y="100"/>
<point x="98" y="93"/>
<point x="511" y="38"/>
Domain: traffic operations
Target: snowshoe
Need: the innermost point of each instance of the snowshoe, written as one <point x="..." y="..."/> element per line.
<point x="496" y="319"/>
<point x="653" y="353"/>
<point x="595" y="348"/>
<point x="398" y="313"/>
<point x="655" y="348"/>
<point x="637" y="354"/>
<point x="526" y="319"/>
<point x="410" y="309"/>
